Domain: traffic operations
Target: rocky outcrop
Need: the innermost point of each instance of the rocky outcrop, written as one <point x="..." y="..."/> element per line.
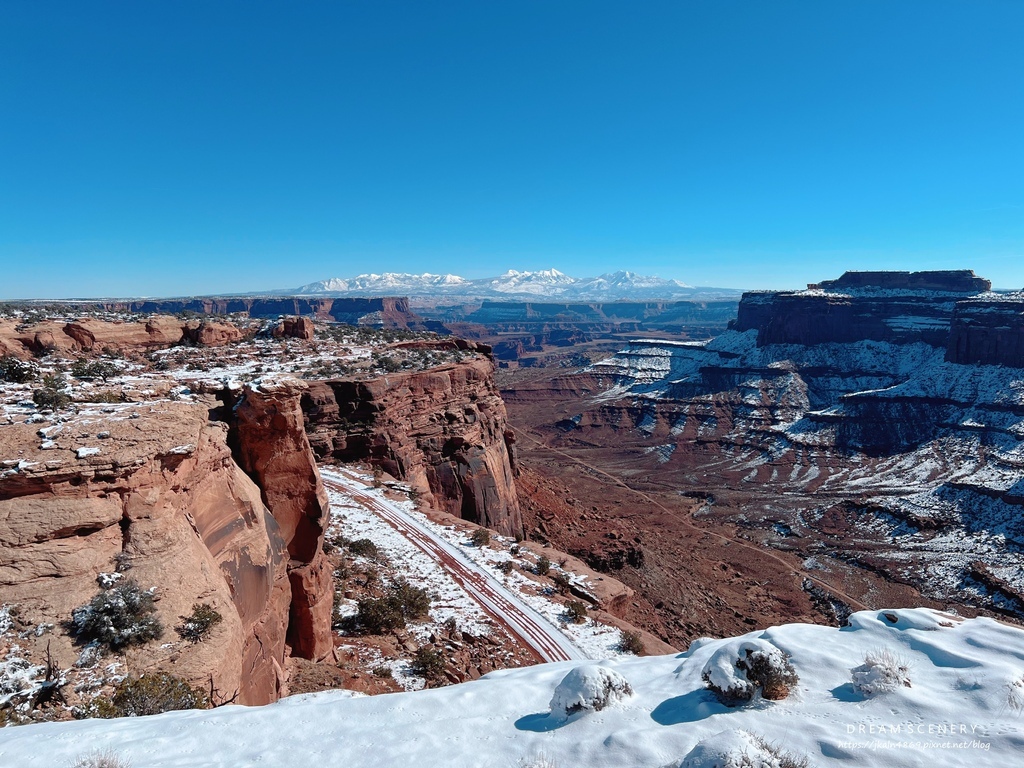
<point x="442" y="430"/>
<point x="89" y="334"/>
<point x="989" y="332"/>
<point x="162" y="499"/>
<point x="295" y="328"/>
<point x="211" y="333"/>
<point x="944" y="281"/>
<point x="273" y="449"/>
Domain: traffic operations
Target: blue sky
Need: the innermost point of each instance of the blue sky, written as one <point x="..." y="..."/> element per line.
<point x="168" y="148"/>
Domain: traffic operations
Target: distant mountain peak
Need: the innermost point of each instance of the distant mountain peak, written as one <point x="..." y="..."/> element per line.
<point x="512" y="284"/>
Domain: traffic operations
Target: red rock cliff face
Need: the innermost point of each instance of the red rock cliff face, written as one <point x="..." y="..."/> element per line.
<point x="443" y="430"/>
<point x="164" y="494"/>
<point x="274" y="450"/>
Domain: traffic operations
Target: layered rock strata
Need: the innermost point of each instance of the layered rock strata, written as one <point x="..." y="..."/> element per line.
<point x="882" y="423"/>
<point x="442" y="430"/>
<point x="159" y="497"/>
<point x="273" y="449"/>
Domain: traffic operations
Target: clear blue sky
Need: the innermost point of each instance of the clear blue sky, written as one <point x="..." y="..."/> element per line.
<point x="167" y="148"/>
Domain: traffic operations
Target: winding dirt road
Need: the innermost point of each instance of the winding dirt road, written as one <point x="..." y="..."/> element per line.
<point x="528" y="626"/>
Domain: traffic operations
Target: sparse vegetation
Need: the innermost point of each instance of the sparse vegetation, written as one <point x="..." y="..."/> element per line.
<point x="631" y="642"/>
<point x="117" y="617"/>
<point x="148" y="695"/>
<point x="101" y="759"/>
<point x="364" y="548"/>
<point x="403" y="601"/>
<point x="428" y="664"/>
<point x="882" y="672"/>
<point x="384" y="672"/>
<point x="481" y="537"/>
<point x="543" y="566"/>
<point x="783" y="758"/>
<point x="576" y="611"/>
<point x="562" y="584"/>
<point x="197" y="626"/>
<point x="506" y="567"/>
<point x="16" y="371"/>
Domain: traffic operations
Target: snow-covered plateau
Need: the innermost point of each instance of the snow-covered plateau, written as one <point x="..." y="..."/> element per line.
<point x="907" y="687"/>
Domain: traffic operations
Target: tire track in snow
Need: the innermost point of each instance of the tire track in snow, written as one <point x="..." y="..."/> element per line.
<point x="528" y="626"/>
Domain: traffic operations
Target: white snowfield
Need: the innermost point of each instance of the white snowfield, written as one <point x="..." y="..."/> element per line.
<point x="529" y="625"/>
<point x="963" y="708"/>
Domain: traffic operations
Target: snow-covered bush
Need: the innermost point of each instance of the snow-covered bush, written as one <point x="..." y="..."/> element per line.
<point x="589" y="688"/>
<point x="882" y="672"/>
<point x="738" y="670"/>
<point x="119" y="616"/>
<point x="104" y="759"/>
<point x="740" y="749"/>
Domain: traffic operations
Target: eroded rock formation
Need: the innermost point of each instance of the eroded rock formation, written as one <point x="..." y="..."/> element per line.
<point x="883" y="422"/>
<point x="162" y="496"/>
<point x="442" y="430"/>
<point x="274" y="450"/>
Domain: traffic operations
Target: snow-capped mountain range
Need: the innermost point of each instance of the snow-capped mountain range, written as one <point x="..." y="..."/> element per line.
<point x="545" y="283"/>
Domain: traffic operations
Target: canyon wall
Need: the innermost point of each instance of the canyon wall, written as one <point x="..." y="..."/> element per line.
<point x="227" y="512"/>
<point x="443" y="430"/>
<point x="896" y="307"/>
<point x="882" y="414"/>
<point x="160" y="498"/>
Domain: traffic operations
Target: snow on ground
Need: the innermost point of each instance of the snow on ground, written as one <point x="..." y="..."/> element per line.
<point x="962" y="708"/>
<point x="595" y="640"/>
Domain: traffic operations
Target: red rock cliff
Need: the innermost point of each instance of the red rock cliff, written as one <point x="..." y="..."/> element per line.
<point x="274" y="450"/>
<point x="162" y="494"/>
<point x="443" y="430"/>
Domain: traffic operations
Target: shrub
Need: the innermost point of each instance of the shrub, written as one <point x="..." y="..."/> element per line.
<point x="562" y="583"/>
<point x="415" y="601"/>
<point x="15" y="371"/>
<point x="576" y="611"/>
<point x="738" y="669"/>
<point x="149" y="695"/>
<point x="631" y="642"/>
<point x="103" y="759"/>
<point x="100" y="369"/>
<point x="364" y="548"/>
<point x="589" y="688"/>
<point x="198" y="625"/>
<point x="428" y="664"/>
<point x="376" y="615"/>
<point x="106" y="396"/>
<point x="481" y="537"/>
<point x="882" y="672"/>
<point x="543" y="566"/>
<point x="506" y="566"/>
<point x="50" y="398"/>
<point x="383" y="671"/>
<point x="119" y="616"/>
